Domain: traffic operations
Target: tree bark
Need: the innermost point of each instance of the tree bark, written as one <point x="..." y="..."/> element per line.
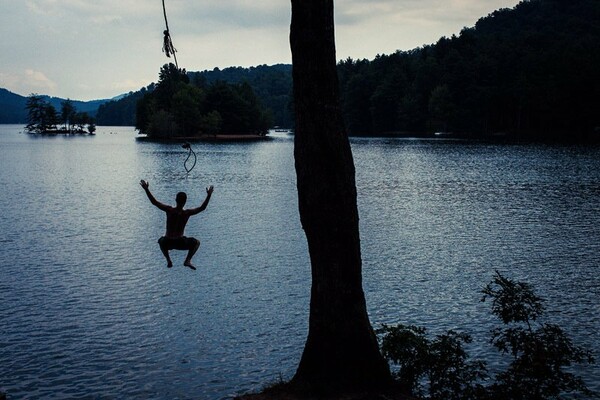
<point x="341" y="351"/>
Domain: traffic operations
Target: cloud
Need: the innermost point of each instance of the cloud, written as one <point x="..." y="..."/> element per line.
<point x="428" y="12"/>
<point x="94" y="48"/>
<point x="365" y="28"/>
<point x="212" y="17"/>
<point x="37" y="79"/>
<point x="100" y="12"/>
<point x="8" y="80"/>
<point x="87" y="7"/>
<point x="27" y="81"/>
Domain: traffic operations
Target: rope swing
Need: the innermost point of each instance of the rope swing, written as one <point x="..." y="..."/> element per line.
<point x="191" y="152"/>
<point x="168" y="47"/>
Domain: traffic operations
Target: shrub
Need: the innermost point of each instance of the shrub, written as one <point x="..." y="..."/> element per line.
<point x="540" y="351"/>
<point x="440" y="368"/>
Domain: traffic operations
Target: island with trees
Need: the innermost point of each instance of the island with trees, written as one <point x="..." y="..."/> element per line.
<point x="271" y="84"/>
<point x="178" y="107"/>
<point x="43" y="118"/>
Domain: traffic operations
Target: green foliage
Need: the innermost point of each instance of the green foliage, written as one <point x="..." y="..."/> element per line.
<point x="528" y="71"/>
<point x="122" y="112"/>
<point x="43" y="118"/>
<point x="35" y="112"/>
<point x="540" y="354"/>
<point x="188" y="105"/>
<point x="177" y="107"/>
<point x="406" y="347"/>
<point x="211" y="122"/>
<point x="145" y="108"/>
<point x="162" y="124"/>
<point x="440" y="364"/>
<point x="49" y="117"/>
<point x="170" y="81"/>
<point x="513" y="301"/>
<point x="440" y="107"/>
<point x="80" y="120"/>
<point x="67" y="112"/>
<point x="271" y="84"/>
<point x="452" y="376"/>
<point x="41" y="115"/>
<point x="238" y="107"/>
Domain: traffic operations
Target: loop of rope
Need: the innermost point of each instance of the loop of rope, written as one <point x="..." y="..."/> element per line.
<point x="190" y="152"/>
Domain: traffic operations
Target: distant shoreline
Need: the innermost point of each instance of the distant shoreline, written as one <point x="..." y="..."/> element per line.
<point x="205" y="138"/>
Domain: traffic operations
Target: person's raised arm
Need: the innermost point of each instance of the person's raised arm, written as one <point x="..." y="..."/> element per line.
<point x="202" y="207"/>
<point x="157" y="203"/>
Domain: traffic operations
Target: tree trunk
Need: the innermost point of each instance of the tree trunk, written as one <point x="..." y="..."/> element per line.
<point x="341" y="351"/>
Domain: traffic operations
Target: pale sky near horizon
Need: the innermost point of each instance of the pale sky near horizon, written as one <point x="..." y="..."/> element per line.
<point x="95" y="49"/>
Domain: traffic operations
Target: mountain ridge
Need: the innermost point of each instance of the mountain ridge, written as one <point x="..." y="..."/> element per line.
<point x="12" y="106"/>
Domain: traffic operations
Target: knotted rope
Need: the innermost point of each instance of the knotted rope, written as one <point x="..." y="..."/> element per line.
<point x="168" y="47"/>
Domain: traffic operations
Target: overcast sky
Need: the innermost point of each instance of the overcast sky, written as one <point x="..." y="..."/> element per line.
<point x="93" y="49"/>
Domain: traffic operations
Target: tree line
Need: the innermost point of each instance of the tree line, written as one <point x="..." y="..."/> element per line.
<point x="526" y="72"/>
<point x="183" y="107"/>
<point x="43" y="117"/>
<point x="531" y="71"/>
<point x="272" y="86"/>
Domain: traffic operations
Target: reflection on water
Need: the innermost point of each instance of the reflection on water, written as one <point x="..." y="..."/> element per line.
<point x="89" y="309"/>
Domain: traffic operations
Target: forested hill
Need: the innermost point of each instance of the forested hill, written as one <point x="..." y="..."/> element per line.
<point x="12" y="106"/>
<point x="531" y="71"/>
<point x="271" y="84"/>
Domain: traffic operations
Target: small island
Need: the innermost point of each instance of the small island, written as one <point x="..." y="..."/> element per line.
<point x="43" y="118"/>
<point x="180" y="109"/>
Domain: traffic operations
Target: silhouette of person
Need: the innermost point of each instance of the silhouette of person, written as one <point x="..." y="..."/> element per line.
<point x="177" y="218"/>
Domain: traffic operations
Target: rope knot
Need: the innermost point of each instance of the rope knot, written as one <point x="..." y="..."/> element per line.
<point x="168" y="47"/>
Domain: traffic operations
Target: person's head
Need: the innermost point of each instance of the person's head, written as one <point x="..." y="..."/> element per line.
<point x="180" y="199"/>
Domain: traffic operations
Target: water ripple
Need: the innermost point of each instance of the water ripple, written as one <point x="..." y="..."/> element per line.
<point x="89" y="310"/>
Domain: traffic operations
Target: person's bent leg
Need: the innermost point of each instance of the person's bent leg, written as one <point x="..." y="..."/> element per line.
<point x="194" y="245"/>
<point x="165" y="250"/>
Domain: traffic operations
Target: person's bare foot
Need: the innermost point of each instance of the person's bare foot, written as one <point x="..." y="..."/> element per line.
<point x="189" y="265"/>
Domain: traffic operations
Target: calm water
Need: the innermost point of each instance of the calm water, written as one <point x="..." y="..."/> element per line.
<point x="89" y="310"/>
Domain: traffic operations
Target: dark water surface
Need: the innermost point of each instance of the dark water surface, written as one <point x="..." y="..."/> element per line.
<point x="89" y="310"/>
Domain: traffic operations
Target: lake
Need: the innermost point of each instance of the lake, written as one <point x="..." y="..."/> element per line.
<point x="88" y="308"/>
